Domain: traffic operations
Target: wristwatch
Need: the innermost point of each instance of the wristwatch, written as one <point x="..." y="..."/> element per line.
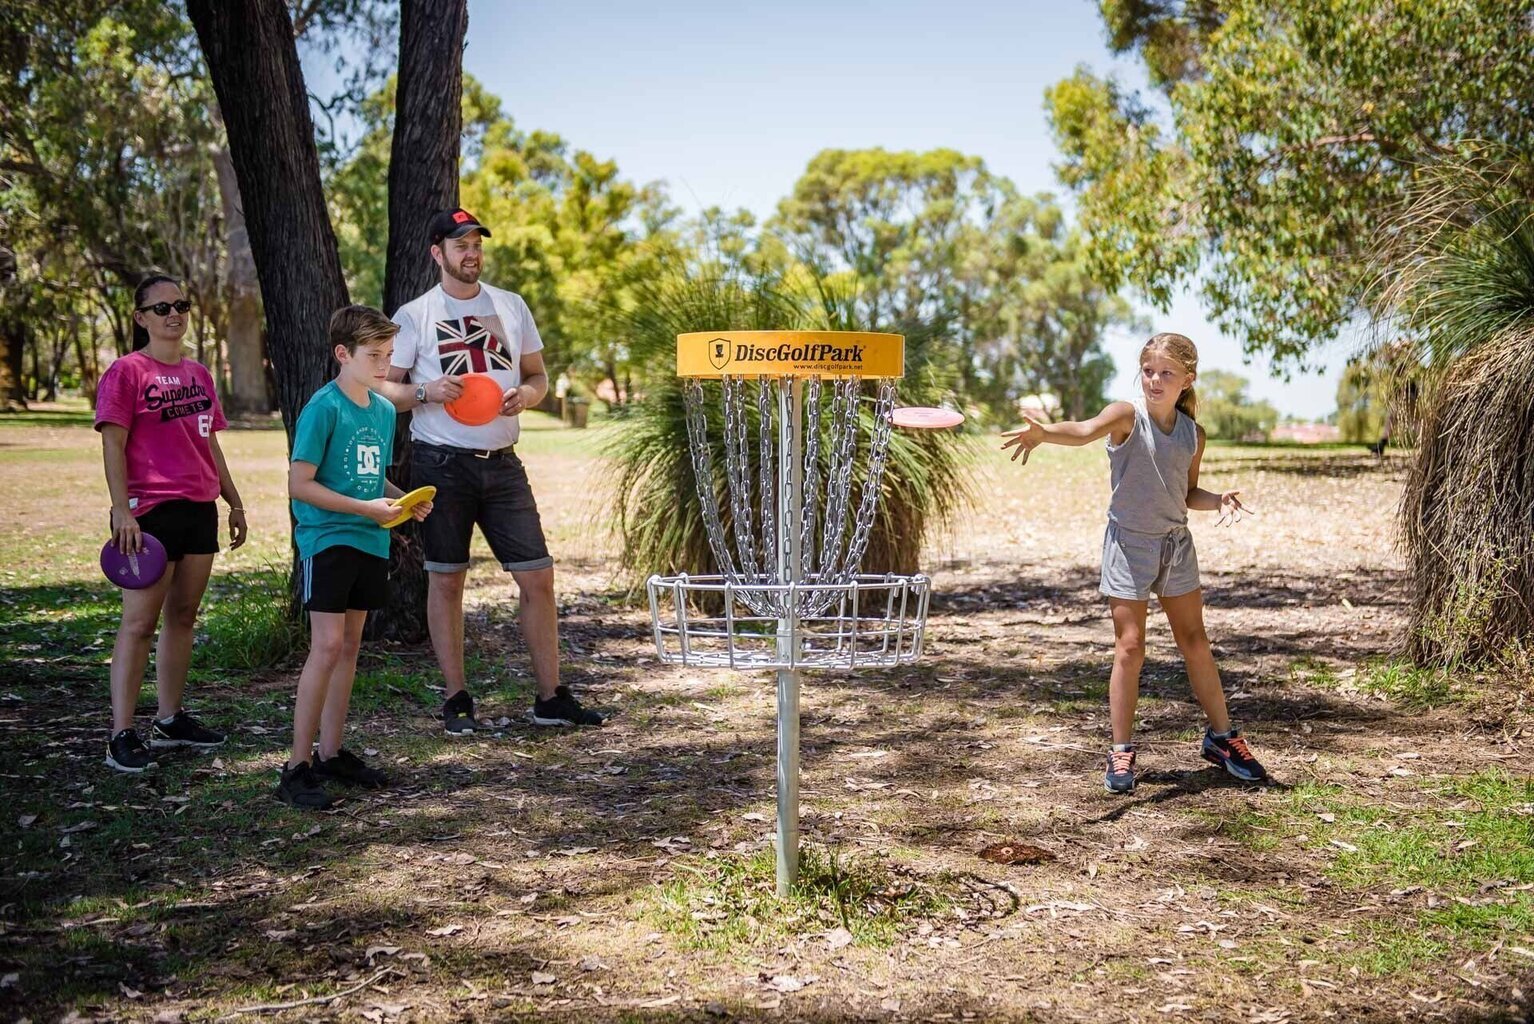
<point x="420" y="394"/>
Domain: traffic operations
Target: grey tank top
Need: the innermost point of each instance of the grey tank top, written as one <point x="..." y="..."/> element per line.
<point x="1149" y="472"/>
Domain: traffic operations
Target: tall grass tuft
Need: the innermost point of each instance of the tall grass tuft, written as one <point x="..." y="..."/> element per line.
<point x="1461" y="291"/>
<point x="655" y="500"/>
<point x="247" y="623"/>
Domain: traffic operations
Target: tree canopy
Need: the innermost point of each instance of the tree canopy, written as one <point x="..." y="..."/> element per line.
<point x="1280" y="144"/>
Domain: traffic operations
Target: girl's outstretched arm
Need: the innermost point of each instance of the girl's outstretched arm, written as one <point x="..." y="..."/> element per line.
<point x="1227" y="503"/>
<point x="1117" y="419"/>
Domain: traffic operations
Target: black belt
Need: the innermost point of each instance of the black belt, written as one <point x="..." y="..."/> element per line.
<point x="478" y="453"/>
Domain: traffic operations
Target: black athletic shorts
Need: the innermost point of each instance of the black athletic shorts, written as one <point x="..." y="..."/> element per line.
<point x="341" y="578"/>
<point x="492" y="492"/>
<point x="184" y="527"/>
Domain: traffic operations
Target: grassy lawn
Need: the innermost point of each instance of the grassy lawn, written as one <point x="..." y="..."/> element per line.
<point x="626" y="874"/>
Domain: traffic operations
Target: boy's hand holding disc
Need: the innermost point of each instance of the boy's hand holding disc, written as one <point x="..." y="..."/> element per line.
<point x="381" y="510"/>
<point x="1024" y="439"/>
<point x="414" y="505"/>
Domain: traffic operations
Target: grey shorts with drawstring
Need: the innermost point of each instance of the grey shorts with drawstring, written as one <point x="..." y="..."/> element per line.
<point x="1137" y="565"/>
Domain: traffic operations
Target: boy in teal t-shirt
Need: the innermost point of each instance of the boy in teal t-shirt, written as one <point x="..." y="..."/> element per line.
<point x="342" y="444"/>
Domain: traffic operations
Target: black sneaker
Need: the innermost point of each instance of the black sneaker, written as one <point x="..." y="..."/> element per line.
<point x="183" y="731"/>
<point x="458" y="715"/>
<point x="299" y="787"/>
<point x="1120" y="777"/>
<point x="1232" y="754"/>
<point x="563" y="709"/>
<point x="127" y="753"/>
<point x="349" y="770"/>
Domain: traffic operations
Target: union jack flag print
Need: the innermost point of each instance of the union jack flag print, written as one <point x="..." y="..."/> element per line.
<point x="470" y="346"/>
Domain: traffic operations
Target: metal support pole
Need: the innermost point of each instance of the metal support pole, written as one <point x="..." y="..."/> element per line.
<point x="790" y="570"/>
<point x="788" y="779"/>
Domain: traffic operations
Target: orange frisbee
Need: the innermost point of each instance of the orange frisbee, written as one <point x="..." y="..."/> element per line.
<point x="480" y="402"/>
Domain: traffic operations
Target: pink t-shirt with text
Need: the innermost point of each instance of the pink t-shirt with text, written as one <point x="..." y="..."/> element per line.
<point x="170" y="413"/>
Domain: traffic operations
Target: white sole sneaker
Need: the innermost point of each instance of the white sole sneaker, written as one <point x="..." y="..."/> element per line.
<point x="113" y="764"/>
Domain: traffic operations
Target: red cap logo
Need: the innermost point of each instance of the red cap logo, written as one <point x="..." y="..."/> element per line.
<point x="459" y="216"/>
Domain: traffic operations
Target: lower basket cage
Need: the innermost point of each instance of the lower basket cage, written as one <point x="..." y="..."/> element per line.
<point x="868" y="621"/>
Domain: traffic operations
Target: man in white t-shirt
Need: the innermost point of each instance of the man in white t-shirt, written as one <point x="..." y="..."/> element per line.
<point x="461" y="327"/>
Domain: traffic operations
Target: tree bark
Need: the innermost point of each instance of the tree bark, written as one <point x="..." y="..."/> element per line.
<point x="428" y="127"/>
<point x="13" y="372"/>
<point x="423" y="178"/>
<point x="85" y="356"/>
<point x="253" y="61"/>
<point x="246" y="353"/>
<point x="13" y="342"/>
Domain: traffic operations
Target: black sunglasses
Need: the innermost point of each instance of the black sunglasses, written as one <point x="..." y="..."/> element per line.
<point x="164" y="308"/>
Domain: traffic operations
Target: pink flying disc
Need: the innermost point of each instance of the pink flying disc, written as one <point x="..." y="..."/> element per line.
<point x="923" y="418"/>
<point x="134" y="572"/>
<point x="480" y="402"/>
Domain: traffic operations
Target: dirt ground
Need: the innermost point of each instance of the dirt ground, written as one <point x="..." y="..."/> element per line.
<point x="624" y="874"/>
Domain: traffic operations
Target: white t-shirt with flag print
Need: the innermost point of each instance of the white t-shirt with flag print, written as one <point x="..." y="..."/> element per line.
<point x="441" y="335"/>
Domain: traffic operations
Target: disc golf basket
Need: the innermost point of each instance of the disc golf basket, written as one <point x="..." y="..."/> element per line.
<point x="784" y="414"/>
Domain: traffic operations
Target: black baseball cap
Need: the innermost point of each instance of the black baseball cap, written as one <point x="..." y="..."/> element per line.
<point x="454" y="224"/>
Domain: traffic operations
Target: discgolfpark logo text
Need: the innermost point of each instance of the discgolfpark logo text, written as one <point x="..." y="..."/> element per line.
<point x="821" y="353"/>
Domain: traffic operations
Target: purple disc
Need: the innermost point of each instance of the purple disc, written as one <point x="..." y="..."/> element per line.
<point x="134" y="572"/>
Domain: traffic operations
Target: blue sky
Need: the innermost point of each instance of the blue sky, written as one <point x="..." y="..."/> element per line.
<point x="727" y="104"/>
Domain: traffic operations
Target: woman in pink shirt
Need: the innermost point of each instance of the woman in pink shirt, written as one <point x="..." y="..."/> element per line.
<point x="158" y="414"/>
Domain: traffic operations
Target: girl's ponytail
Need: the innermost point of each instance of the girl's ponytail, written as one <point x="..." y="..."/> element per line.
<point x="1180" y="349"/>
<point x="1187" y="403"/>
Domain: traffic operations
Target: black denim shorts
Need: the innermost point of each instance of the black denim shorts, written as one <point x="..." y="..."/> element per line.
<point x="491" y="492"/>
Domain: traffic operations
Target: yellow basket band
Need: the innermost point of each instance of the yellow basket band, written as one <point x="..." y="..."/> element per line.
<point x="790" y="354"/>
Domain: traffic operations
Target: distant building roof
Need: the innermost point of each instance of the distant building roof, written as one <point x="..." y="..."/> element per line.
<point x="1307" y="433"/>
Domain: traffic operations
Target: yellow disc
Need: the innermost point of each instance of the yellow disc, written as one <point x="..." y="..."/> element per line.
<point x="790" y="354"/>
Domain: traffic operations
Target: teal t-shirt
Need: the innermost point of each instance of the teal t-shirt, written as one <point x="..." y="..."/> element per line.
<point x="351" y="448"/>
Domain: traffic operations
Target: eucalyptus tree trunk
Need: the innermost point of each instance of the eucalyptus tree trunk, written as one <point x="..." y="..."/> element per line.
<point x="423" y="178"/>
<point x="253" y="61"/>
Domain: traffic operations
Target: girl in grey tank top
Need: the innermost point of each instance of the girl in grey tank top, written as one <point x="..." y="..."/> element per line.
<point x="1154" y="451"/>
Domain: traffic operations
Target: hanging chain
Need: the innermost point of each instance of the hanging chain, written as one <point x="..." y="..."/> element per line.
<point x="878" y="452"/>
<point x="844" y="435"/>
<point x="738" y="475"/>
<point x="767" y="495"/>
<point x="703" y="474"/>
<point x="810" y="492"/>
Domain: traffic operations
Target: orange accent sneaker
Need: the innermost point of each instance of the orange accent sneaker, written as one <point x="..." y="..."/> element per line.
<point x="1231" y="753"/>
<point x="1120" y="777"/>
